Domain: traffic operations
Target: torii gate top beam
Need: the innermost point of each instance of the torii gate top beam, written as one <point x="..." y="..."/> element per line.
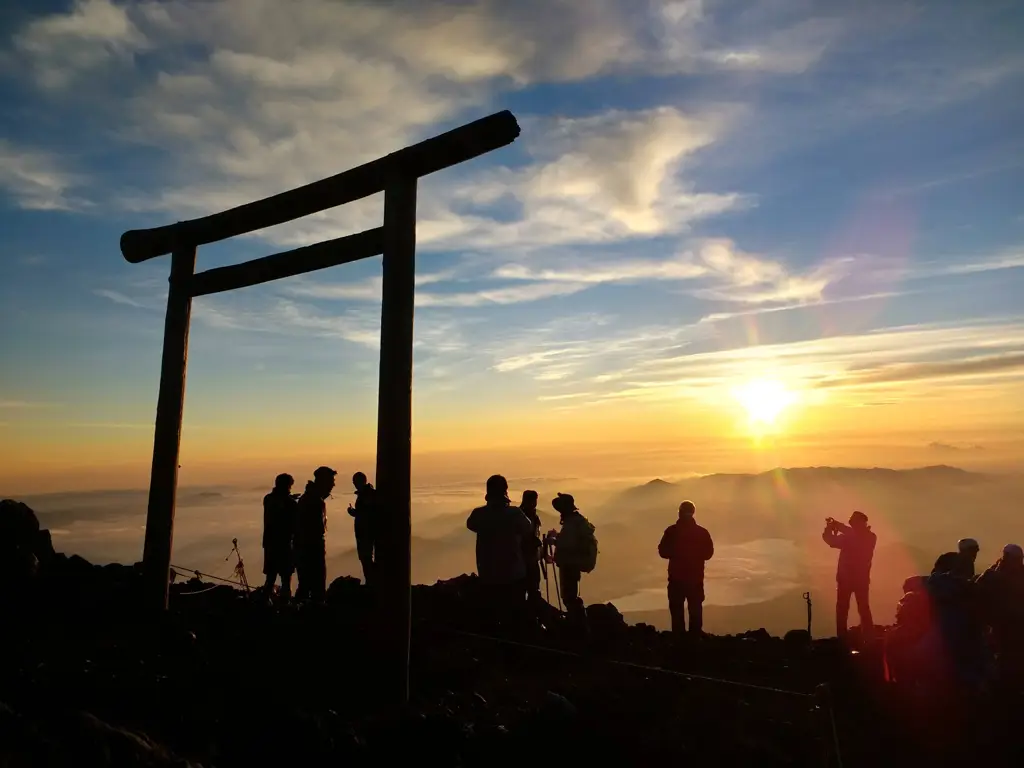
<point x="434" y="154"/>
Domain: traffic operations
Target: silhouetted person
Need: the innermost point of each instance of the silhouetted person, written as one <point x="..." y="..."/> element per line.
<point x="500" y="532"/>
<point x="956" y="642"/>
<point x="279" y="514"/>
<point x="311" y="535"/>
<point x="968" y="550"/>
<point x="575" y="554"/>
<point x="686" y="546"/>
<point x="856" y="545"/>
<point x="532" y="546"/>
<point x="1001" y="589"/>
<point x="365" y="514"/>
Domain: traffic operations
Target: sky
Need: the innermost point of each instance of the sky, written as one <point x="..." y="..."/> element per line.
<point x="825" y="196"/>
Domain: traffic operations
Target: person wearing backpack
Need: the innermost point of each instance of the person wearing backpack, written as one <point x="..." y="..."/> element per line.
<point x="575" y="554"/>
<point x="686" y="546"/>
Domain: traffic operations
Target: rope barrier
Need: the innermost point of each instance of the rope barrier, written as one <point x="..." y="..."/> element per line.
<point x="633" y="665"/>
<point x="198" y="591"/>
<point x="182" y="571"/>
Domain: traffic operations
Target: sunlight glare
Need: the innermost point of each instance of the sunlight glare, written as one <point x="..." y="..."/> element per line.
<point x="764" y="400"/>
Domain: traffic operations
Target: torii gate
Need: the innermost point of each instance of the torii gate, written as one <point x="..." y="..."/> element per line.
<point x="396" y="175"/>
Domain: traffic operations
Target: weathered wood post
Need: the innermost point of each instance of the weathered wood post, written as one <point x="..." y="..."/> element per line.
<point x="163" y="481"/>
<point x="394" y="433"/>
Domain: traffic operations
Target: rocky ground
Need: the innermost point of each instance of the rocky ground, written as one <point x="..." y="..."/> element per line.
<point x="225" y="679"/>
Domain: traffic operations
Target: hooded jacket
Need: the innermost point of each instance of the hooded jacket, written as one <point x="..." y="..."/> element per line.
<point x="687" y="546"/>
<point x="500" y="532"/>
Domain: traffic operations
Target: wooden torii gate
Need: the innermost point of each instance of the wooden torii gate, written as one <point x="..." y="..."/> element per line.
<point x="396" y="175"/>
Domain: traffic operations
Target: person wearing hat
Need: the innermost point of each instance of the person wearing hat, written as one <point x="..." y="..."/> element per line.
<point x="311" y="535"/>
<point x="968" y="550"/>
<point x="856" y="545"/>
<point x="686" y="546"/>
<point x="575" y="554"/>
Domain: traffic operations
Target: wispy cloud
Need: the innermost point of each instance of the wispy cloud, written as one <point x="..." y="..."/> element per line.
<point x="36" y="179"/>
<point x="119" y="298"/>
<point x="25" y="404"/>
<point x="735" y="276"/>
<point x="106" y="425"/>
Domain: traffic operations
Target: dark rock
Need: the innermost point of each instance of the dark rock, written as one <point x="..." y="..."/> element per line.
<point x="798" y="637"/>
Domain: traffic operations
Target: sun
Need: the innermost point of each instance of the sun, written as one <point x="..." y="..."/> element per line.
<point x="764" y="400"/>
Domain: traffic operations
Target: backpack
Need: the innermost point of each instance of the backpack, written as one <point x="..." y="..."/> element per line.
<point x="585" y="558"/>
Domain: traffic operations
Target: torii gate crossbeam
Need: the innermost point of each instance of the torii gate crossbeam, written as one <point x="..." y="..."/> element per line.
<point x="396" y="175"/>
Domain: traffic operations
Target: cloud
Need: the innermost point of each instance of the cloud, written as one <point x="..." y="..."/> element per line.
<point x="980" y="353"/>
<point x="249" y="98"/>
<point x="109" y="425"/>
<point x="64" y="47"/>
<point x="737" y="276"/>
<point x="365" y="290"/>
<point x="36" y="179"/>
<point x="498" y="296"/>
<point x="908" y="372"/>
<point x="950" y="447"/>
<point x="25" y="404"/>
<point x="119" y="298"/>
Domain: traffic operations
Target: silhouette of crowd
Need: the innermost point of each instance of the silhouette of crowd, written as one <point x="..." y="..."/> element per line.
<point x="295" y="533"/>
<point x="953" y="624"/>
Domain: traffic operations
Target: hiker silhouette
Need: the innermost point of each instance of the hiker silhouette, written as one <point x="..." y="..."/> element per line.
<point x="532" y="546"/>
<point x="311" y="535"/>
<point x="856" y="545"/>
<point x="279" y="517"/>
<point x="575" y="554"/>
<point x="500" y="530"/>
<point x="366" y="524"/>
<point x="687" y="547"/>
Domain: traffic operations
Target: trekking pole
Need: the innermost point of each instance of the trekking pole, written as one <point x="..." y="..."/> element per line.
<point x="807" y="598"/>
<point x="558" y="591"/>
<point x="547" y="584"/>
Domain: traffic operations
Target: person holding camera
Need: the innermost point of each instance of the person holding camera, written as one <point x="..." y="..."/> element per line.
<point x="279" y="510"/>
<point x="856" y="545"/>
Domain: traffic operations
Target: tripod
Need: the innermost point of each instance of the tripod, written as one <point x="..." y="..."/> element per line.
<point x="239" y="571"/>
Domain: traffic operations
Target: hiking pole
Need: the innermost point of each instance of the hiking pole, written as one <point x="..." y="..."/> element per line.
<point x="547" y="584"/>
<point x="807" y="597"/>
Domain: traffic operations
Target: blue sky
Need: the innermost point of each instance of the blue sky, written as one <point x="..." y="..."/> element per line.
<point x="826" y="193"/>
